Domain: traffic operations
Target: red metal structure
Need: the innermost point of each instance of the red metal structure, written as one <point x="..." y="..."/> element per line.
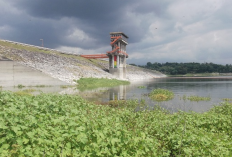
<point x="116" y="48"/>
<point x="117" y="57"/>
<point x="95" y="56"/>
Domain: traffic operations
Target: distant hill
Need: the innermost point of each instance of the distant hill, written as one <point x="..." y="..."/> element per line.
<point x="189" y="68"/>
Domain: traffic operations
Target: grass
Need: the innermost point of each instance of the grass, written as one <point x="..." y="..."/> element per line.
<point x="67" y="125"/>
<point x="34" y="49"/>
<point x="42" y="86"/>
<point x="66" y="86"/>
<point x="196" y="98"/>
<point x="161" y="94"/>
<point x="20" y="86"/>
<point x="25" y="92"/>
<point x="98" y="62"/>
<point x="125" y="104"/>
<point x="22" y="47"/>
<point x="91" y="83"/>
<point x="227" y="99"/>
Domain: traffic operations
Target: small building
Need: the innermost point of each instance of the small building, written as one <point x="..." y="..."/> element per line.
<point x="118" y="55"/>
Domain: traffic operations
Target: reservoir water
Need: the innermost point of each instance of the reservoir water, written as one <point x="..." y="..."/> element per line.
<point x="217" y="88"/>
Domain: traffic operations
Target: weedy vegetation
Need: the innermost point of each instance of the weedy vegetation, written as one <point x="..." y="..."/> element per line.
<point x="91" y="83"/>
<point x="42" y="86"/>
<point x="227" y="99"/>
<point x="66" y="86"/>
<point x="132" y="104"/>
<point x="161" y="94"/>
<point x="67" y="125"/>
<point x="196" y="98"/>
<point x="142" y="87"/>
<point x="20" y="86"/>
<point x="25" y="92"/>
<point x="23" y="47"/>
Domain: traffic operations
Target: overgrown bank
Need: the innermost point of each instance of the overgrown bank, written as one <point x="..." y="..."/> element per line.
<point x="67" y="125"/>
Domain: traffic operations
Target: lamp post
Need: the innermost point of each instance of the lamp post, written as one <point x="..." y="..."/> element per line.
<point x="42" y="42"/>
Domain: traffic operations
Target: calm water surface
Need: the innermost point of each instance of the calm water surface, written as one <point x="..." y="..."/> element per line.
<point x="213" y="87"/>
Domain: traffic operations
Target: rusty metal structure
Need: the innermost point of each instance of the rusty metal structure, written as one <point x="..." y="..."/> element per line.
<point x="117" y="56"/>
<point x="95" y="56"/>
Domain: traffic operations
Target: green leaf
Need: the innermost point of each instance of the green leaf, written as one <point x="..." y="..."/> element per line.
<point x="5" y="146"/>
<point x="25" y="141"/>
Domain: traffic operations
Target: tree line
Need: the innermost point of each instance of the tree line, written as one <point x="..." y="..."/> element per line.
<point x="184" y="68"/>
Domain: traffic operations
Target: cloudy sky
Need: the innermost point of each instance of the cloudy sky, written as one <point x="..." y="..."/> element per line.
<point x="159" y="30"/>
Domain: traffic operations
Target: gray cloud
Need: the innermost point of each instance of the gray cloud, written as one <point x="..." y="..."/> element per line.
<point x="159" y="31"/>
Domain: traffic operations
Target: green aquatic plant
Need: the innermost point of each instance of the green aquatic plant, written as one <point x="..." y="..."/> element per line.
<point x="25" y="92"/>
<point x="66" y="86"/>
<point x="128" y="104"/>
<point x="20" y="86"/>
<point x="161" y="94"/>
<point x="227" y="99"/>
<point x="141" y="87"/>
<point x="21" y="92"/>
<point x="184" y="97"/>
<point x="29" y="90"/>
<point x="67" y="125"/>
<point x="198" y="98"/>
<point x="42" y="86"/>
<point x="123" y="103"/>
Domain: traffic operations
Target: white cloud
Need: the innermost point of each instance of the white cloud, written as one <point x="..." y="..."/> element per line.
<point x="76" y="35"/>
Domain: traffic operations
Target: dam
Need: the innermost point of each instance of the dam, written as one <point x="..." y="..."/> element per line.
<point x="14" y="74"/>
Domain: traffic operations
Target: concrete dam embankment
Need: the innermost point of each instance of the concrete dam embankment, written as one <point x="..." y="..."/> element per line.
<point x="14" y="74"/>
<point x="60" y="66"/>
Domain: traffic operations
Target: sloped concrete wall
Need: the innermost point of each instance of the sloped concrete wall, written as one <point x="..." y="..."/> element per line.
<point x="118" y="72"/>
<point x="13" y="74"/>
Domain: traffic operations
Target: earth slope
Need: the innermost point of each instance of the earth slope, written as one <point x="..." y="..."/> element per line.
<point x="66" y="67"/>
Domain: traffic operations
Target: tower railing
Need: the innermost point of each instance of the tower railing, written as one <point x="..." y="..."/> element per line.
<point x="115" y="46"/>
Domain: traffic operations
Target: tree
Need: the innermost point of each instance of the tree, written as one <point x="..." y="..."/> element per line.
<point x="149" y="65"/>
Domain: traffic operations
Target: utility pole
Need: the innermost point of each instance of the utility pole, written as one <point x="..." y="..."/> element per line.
<point x="42" y="42"/>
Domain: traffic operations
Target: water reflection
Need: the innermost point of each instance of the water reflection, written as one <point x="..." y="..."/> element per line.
<point x="117" y="93"/>
<point x="215" y="88"/>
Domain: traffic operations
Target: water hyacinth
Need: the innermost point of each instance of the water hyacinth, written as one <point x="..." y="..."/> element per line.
<point x="198" y="98"/>
<point x="67" y="125"/>
<point x="161" y="95"/>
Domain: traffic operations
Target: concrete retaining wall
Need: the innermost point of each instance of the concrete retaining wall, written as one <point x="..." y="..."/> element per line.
<point x="13" y="74"/>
